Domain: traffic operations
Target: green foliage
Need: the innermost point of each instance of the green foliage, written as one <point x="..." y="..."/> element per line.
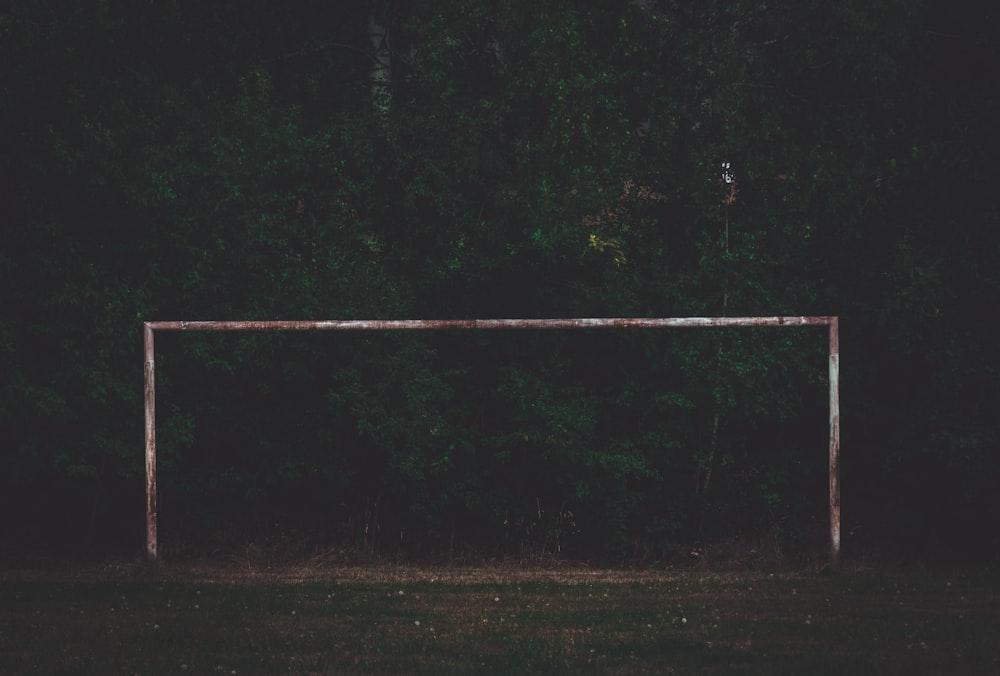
<point x="203" y="161"/>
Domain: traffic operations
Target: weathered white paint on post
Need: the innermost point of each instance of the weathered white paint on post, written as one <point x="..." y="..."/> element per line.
<point x="835" y="442"/>
<point x="490" y="324"/>
<point x="493" y="324"/>
<point x="150" y="397"/>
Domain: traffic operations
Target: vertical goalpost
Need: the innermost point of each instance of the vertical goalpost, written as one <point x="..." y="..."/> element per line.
<point x="440" y="324"/>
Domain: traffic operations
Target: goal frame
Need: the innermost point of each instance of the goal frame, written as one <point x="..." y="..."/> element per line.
<point x="149" y="328"/>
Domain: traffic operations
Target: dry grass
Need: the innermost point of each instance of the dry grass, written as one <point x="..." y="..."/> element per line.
<point x="319" y="615"/>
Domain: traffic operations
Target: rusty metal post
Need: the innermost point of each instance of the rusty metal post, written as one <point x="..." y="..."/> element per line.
<point x="835" y="442"/>
<point x="492" y="324"/>
<point x="487" y="324"/>
<point x="150" y="398"/>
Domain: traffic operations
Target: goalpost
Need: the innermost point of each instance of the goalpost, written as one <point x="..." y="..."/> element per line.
<point x="440" y="324"/>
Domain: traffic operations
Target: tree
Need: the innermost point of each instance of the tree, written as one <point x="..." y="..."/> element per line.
<point x="462" y="159"/>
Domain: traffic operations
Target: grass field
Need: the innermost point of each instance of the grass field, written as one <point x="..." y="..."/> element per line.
<point x="403" y="621"/>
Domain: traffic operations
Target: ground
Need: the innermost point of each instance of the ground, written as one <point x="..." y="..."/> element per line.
<point x="316" y="617"/>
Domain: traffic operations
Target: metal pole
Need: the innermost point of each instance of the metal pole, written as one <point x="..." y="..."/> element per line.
<point x="491" y="324"/>
<point x="835" y="443"/>
<point x="431" y="324"/>
<point x="150" y="398"/>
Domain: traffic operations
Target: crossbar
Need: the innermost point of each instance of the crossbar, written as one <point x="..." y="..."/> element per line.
<point x="490" y="324"/>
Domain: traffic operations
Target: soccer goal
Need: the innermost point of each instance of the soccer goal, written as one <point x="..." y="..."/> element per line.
<point x="149" y="329"/>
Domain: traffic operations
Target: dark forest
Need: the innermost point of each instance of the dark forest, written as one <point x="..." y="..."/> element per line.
<point x="263" y="160"/>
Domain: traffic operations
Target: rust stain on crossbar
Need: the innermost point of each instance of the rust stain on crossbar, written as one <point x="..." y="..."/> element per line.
<point x="481" y="324"/>
<point x="493" y="324"/>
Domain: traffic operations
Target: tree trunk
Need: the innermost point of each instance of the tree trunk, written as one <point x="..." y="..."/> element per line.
<point x="381" y="73"/>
